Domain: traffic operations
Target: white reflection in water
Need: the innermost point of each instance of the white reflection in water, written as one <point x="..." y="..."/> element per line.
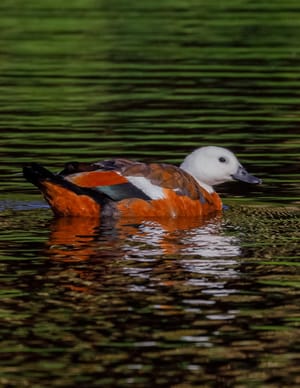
<point x="153" y="238"/>
<point x="203" y="251"/>
<point x="212" y="245"/>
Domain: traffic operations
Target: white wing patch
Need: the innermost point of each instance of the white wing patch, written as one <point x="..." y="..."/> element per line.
<point x="153" y="191"/>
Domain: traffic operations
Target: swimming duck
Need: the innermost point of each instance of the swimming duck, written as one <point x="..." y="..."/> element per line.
<point x="121" y="187"/>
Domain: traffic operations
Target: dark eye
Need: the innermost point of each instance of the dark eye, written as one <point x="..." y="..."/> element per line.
<point x="222" y="159"/>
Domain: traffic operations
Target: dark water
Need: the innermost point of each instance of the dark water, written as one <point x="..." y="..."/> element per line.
<point x="193" y="303"/>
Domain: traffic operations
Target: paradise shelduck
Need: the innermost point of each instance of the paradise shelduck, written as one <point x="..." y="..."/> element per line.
<point x="120" y="187"/>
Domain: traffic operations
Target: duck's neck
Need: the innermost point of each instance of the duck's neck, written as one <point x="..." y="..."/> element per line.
<point x="185" y="166"/>
<point x="208" y="188"/>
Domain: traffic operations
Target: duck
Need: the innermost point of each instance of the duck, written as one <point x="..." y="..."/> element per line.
<point x="115" y="188"/>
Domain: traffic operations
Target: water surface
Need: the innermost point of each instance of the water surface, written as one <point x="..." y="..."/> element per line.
<point x="210" y="302"/>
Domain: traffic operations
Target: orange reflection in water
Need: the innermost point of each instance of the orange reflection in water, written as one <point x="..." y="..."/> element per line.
<point x="74" y="239"/>
<point x="167" y="247"/>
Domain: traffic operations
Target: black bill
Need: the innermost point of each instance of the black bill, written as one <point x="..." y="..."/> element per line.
<point x="244" y="176"/>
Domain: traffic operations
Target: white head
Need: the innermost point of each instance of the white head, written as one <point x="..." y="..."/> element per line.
<point x="215" y="165"/>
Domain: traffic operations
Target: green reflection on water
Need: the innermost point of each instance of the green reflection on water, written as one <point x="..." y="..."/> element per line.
<point x="150" y="80"/>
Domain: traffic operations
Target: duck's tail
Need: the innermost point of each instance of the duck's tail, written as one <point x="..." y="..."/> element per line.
<point x="64" y="197"/>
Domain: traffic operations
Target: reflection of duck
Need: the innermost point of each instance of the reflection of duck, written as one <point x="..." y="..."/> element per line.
<point x="121" y="187"/>
<point x="141" y="256"/>
<point x="78" y="239"/>
<point x="72" y="239"/>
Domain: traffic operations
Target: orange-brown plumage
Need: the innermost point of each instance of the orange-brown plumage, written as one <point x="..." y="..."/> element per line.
<point x="124" y="188"/>
<point x="96" y="178"/>
<point x="173" y="206"/>
<point x="65" y="202"/>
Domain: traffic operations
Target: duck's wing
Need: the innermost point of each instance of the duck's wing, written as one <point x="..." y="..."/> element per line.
<point x="121" y="178"/>
<point x="106" y="177"/>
